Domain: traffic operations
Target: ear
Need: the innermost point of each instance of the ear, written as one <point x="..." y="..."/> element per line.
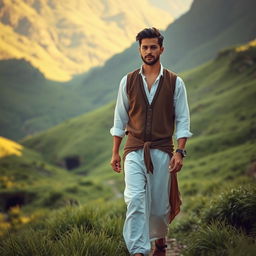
<point x="162" y="50"/>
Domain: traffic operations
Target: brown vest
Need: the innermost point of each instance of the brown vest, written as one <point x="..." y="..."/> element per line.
<point x="152" y="125"/>
<point x="155" y="121"/>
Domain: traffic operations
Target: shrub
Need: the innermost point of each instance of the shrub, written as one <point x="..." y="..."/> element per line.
<point x="215" y="239"/>
<point x="237" y="207"/>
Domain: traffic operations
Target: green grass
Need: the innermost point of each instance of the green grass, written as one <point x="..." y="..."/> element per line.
<point x="86" y="231"/>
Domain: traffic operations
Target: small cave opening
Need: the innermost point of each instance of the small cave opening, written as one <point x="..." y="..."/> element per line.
<point x="19" y="198"/>
<point x="72" y="162"/>
<point x="14" y="200"/>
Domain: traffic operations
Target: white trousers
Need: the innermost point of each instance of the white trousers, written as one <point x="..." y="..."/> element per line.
<point x="147" y="199"/>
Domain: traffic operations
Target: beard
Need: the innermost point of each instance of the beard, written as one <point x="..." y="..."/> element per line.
<point x="152" y="62"/>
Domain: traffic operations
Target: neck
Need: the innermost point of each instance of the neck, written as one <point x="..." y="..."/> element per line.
<point x="151" y="69"/>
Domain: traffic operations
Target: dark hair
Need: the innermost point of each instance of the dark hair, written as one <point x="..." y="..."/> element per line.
<point x="150" y="33"/>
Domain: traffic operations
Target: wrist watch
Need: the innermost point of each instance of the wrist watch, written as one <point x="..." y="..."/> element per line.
<point x="183" y="152"/>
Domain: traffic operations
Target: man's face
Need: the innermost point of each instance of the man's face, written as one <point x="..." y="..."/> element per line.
<point x="150" y="50"/>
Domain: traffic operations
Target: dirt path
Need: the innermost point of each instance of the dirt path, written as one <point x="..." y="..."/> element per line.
<point x="173" y="248"/>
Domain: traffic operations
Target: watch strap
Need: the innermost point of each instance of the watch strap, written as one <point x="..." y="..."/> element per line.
<point x="183" y="152"/>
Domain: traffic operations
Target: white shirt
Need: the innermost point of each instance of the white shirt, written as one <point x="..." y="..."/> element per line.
<point x="182" y="119"/>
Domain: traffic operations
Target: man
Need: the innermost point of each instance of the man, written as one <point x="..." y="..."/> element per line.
<point x="151" y="101"/>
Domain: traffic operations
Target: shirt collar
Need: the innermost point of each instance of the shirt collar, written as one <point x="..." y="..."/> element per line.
<point x="160" y="73"/>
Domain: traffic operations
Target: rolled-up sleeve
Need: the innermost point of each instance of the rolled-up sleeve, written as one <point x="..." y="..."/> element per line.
<point x="182" y="116"/>
<point x="121" y="111"/>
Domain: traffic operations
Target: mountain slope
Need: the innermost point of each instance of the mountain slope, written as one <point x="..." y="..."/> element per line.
<point x="69" y="37"/>
<point x="30" y="103"/>
<point x="208" y="26"/>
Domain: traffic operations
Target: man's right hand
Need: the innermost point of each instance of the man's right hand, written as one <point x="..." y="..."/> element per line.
<point x="116" y="163"/>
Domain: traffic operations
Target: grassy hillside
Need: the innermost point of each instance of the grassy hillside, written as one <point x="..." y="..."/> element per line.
<point x="48" y="185"/>
<point x="31" y="188"/>
<point x="217" y="182"/>
<point x="70" y="37"/>
<point x="85" y="139"/>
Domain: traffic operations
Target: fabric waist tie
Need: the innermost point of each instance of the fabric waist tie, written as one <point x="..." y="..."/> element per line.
<point x="134" y="143"/>
<point x="147" y="156"/>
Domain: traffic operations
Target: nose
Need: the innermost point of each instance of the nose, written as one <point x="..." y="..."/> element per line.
<point x="148" y="51"/>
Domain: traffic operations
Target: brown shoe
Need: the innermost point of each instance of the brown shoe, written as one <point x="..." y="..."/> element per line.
<point x="160" y="250"/>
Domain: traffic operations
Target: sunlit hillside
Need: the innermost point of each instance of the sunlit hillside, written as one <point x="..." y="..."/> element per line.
<point x="63" y="38"/>
<point x="9" y="147"/>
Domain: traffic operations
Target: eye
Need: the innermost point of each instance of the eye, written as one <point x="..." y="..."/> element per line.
<point x="153" y="47"/>
<point x="144" y="47"/>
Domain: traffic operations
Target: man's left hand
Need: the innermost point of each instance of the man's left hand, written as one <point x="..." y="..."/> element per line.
<point x="176" y="162"/>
